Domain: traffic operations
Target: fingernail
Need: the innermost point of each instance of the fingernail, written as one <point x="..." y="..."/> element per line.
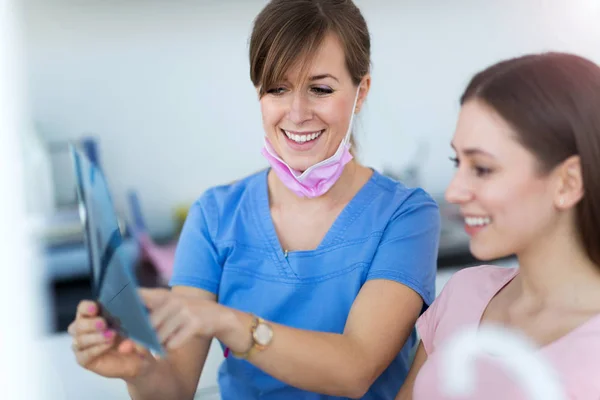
<point x="108" y="334"/>
<point x="92" y="308"/>
<point x="100" y="325"/>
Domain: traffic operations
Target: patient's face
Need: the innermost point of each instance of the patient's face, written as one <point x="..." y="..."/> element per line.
<point x="507" y="204"/>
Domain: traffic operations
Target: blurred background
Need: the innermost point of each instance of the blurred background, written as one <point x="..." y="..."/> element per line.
<point x="158" y="92"/>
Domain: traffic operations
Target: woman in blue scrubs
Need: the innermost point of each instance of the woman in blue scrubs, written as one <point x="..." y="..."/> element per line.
<point x="311" y="273"/>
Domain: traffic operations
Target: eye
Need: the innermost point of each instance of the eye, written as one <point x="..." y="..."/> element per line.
<point x="482" y="171"/>
<point x="321" y="91"/>
<point x="276" y="91"/>
<point x="479" y="171"/>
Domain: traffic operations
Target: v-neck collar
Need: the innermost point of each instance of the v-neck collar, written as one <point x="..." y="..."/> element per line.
<point x="591" y="322"/>
<point x="334" y="234"/>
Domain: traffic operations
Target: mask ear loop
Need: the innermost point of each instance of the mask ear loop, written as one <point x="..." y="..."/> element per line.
<point x="349" y="132"/>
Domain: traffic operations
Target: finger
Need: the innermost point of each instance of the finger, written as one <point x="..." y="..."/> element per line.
<point x="163" y="313"/>
<point x="154" y="298"/>
<point x="88" y="325"/>
<point x="180" y="337"/>
<point x="87" y="308"/>
<point x="85" y="341"/>
<point x="71" y="328"/>
<point x="126" y="346"/>
<point x="170" y="325"/>
<point x="139" y="348"/>
<point x="84" y="358"/>
<point x="144" y="353"/>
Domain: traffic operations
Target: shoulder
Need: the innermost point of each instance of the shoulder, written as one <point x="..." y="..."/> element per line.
<point x="480" y="273"/>
<point x="402" y="194"/>
<point x="227" y="196"/>
<point x="461" y="302"/>
<point x="403" y="200"/>
<point x="226" y="201"/>
<point x="407" y="222"/>
<point x="473" y="282"/>
<point x="471" y="288"/>
<point x="487" y="276"/>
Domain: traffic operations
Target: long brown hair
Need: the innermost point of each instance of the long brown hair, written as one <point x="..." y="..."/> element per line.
<point x="552" y="101"/>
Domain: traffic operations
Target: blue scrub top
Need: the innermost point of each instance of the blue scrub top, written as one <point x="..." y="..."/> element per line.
<point x="228" y="246"/>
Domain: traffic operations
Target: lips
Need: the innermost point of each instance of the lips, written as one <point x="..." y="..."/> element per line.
<point x="302" y="137"/>
<point x="475" y="224"/>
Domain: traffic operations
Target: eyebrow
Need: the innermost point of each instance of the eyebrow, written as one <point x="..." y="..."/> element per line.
<point x="322" y="76"/>
<point x="472" y="151"/>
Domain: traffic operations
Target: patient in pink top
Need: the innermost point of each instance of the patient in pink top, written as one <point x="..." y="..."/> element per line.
<point x="527" y="146"/>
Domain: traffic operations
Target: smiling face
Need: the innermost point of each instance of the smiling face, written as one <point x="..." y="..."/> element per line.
<point x="305" y="120"/>
<point x="507" y="203"/>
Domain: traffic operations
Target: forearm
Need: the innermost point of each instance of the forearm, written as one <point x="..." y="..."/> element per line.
<point x="320" y="362"/>
<point x="159" y="383"/>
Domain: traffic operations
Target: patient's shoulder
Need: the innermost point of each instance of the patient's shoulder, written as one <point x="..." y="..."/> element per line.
<point x="461" y="302"/>
<point x="473" y="283"/>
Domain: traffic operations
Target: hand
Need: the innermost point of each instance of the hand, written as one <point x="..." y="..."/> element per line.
<point x="179" y="317"/>
<point x="102" y="350"/>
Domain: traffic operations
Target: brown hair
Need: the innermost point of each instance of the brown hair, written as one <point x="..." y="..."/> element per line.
<point x="287" y="31"/>
<point x="552" y="101"/>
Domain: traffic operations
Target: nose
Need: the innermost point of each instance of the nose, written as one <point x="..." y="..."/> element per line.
<point x="300" y="109"/>
<point x="459" y="190"/>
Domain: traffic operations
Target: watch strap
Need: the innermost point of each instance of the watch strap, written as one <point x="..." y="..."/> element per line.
<point x="254" y="346"/>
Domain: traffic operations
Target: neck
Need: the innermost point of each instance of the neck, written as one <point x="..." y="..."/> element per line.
<point x="352" y="176"/>
<point x="556" y="269"/>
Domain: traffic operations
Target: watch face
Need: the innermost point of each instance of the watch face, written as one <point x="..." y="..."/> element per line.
<point x="263" y="334"/>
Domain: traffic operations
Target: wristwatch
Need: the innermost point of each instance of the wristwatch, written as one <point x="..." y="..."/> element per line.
<point x="262" y="335"/>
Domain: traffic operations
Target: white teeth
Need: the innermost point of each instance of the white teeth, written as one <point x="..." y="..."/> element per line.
<point x="304" y="137"/>
<point x="477" y="221"/>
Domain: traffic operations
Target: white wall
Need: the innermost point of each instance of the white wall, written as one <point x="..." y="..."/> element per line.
<point x="22" y="299"/>
<point x="165" y="84"/>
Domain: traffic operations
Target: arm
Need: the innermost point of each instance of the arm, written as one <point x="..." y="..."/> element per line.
<point x="406" y="390"/>
<point x="338" y="364"/>
<point x="177" y="375"/>
<point x="427" y="326"/>
<point x="196" y="274"/>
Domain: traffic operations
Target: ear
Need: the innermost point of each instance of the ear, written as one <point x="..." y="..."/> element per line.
<point x="365" y="85"/>
<point x="570" y="188"/>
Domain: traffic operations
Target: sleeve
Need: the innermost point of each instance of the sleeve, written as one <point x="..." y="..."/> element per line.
<point x="428" y="322"/>
<point x="426" y="326"/>
<point x="197" y="262"/>
<point x="409" y="246"/>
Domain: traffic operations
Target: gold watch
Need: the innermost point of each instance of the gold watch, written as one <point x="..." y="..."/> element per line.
<point x="262" y="335"/>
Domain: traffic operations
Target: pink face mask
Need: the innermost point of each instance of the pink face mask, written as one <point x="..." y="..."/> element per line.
<point x="318" y="178"/>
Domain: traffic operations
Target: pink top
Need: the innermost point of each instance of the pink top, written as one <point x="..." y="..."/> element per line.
<point x="575" y="356"/>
